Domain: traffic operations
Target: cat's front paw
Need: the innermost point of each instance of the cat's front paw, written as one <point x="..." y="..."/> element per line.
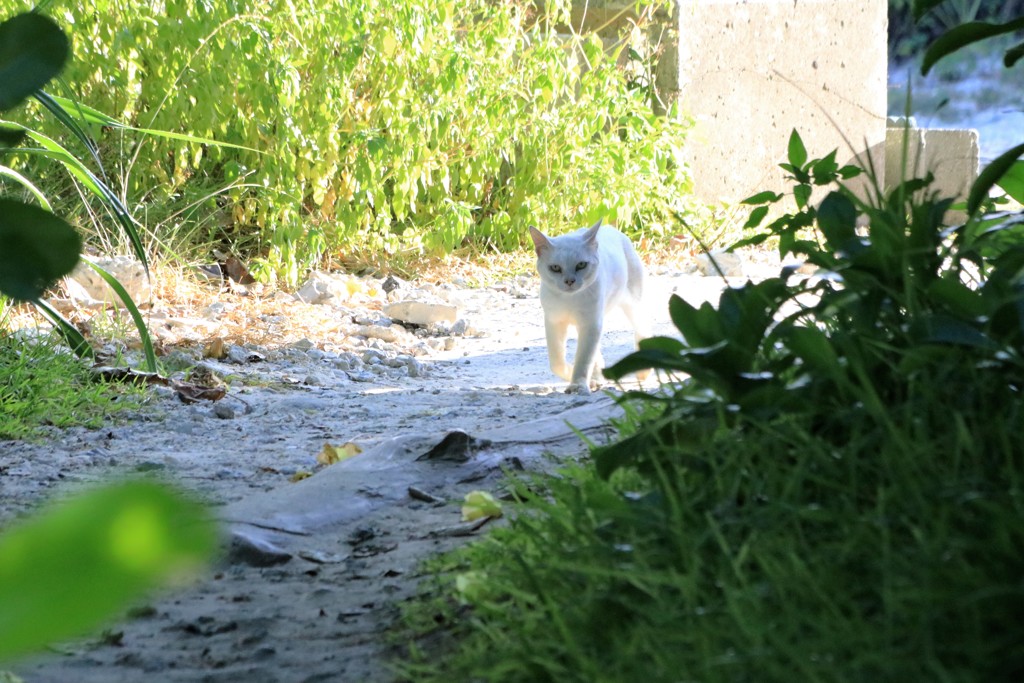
<point x="577" y="388"/>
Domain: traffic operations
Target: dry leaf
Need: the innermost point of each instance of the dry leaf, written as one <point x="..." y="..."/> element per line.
<point x="300" y="475"/>
<point x="216" y="349"/>
<point x="237" y="271"/>
<point x="329" y="454"/>
<point x="193" y="393"/>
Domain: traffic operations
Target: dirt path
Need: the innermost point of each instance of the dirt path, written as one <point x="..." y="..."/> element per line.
<point x="316" y="568"/>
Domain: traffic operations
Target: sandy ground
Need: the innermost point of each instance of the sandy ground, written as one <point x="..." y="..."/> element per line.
<point x="314" y="570"/>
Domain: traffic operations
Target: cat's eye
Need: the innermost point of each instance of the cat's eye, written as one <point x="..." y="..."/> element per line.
<point x="555" y="268"/>
<point x="581" y="265"/>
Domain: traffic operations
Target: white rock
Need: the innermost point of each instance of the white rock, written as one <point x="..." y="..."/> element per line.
<point x="215" y="310"/>
<point x="322" y="288"/>
<point x="416" y="368"/>
<point x="729" y="263"/>
<point x="129" y="272"/>
<point x="395" y="334"/>
<point x="373" y="357"/>
<point x="421" y="312"/>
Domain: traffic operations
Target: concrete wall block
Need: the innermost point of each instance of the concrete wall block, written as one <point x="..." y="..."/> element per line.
<point x="896" y="167"/>
<point x="750" y="71"/>
<point x="953" y="157"/>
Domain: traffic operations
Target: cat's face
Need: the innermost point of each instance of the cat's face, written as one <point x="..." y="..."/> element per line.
<point x="569" y="262"/>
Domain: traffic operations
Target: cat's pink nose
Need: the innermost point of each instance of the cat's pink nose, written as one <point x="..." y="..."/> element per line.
<point x="570" y="281"/>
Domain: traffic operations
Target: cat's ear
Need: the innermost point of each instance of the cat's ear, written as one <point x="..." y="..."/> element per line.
<point x="540" y="241"/>
<point x="591" y="234"/>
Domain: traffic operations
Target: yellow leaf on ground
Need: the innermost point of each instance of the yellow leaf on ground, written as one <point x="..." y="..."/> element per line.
<point x="329" y="454"/>
<point x="480" y="504"/>
<point x="353" y="286"/>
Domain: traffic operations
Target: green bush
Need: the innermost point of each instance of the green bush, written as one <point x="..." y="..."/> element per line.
<point x="391" y="124"/>
<point x="833" y="495"/>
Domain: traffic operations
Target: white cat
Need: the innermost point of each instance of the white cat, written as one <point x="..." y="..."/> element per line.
<point x="583" y="276"/>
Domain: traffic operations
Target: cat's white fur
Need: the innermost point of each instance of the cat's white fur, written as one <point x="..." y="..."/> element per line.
<point x="583" y="276"/>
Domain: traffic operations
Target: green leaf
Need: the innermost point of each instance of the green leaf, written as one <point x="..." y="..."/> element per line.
<point x="825" y="170"/>
<point x="802" y="194"/>
<point x="753" y="240"/>
<point x="10" y="138"/>
<point x="72" y="125"/>
<point x="1012" y="181"/>
<point x="53" y="150"/>
<point x="756" y="216"/>
<point x="850" y="171"/>
<point x="921" y="7"/>
<point x="664" y="344"/>
<point x="766" y="197"/>
<point x="33" y="50"/>
<point x="958" y="297"/>
<point x="27" y="184"/>
<point x="837" y="218"/>
<point x="133" y="310"/>
<point x="85" y="114"/>
<point x="699" y="327"/>
<point x="815" y="349"/>
<point x="36" y="249"/>
<point x="645" y="359"/>
<point x="1013" y="55"/>
<point x="963" y="35"/>
<point x="797" y="151"/>
<point x="74" y="565"/>
<point x="990" y="176"/>
<point x="945" y="329"/>
<point x="72" y="337"/>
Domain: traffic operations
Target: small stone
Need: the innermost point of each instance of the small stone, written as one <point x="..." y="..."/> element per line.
<point x="241" y="355"/>
<point x="730" y="264"/>
<point x="314" y="379"/>
<point x="224" y="412"/>
<point x="361" y="376"/>
<point x="460" y="327"/>
<point x="416" y="368"/>
<point x="374" y="357"/>
<point x="302" y="345"/>
<point x="255" y="552"/>
<point x="128" y="271"/>
<point x="421" y="312"/>
<point x="390" y="284"/>
<point x="322" y="288"/>
<point x="215" y="310"/>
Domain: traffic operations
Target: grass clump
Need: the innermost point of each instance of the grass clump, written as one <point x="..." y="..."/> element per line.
<point x="769" y="555"/>
<point x="42" y="384"/>
<point x="833" y="495"/>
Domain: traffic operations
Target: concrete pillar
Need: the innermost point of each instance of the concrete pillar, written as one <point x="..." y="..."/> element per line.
<point x="750" y="71"/>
